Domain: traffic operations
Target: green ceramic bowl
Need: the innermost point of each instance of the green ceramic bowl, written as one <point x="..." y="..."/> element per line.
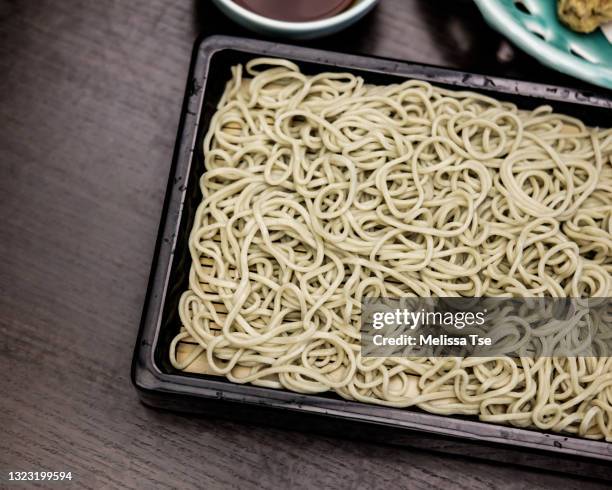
<point x="534" y="27"/>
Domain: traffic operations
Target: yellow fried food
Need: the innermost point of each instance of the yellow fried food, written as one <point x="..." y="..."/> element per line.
<point x="584" y="15"/>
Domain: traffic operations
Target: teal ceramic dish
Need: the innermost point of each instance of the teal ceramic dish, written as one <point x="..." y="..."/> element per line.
<point x="534" y="27"/>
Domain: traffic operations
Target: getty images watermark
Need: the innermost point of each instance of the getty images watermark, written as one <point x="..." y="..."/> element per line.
<point x="486" y="327"/>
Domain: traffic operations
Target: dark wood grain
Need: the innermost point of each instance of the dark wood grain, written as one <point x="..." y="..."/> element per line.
<point x="90" y="96"/>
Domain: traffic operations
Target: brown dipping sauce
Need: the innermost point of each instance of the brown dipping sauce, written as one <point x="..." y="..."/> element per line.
<point x="295" y="10"/>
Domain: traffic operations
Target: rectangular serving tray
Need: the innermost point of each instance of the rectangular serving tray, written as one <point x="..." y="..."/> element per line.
<point x="160" y="385"/>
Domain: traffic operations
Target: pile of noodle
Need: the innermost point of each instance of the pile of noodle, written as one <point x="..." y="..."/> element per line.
<point x="322" y="190"/>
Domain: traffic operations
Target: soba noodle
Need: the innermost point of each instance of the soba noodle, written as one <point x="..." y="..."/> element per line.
<point x="321" y="190"/>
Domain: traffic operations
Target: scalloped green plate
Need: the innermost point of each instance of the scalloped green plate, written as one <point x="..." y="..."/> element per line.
<point x="534" y="27"/>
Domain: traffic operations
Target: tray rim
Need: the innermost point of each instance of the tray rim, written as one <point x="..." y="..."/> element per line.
<point x="147" y="377"/>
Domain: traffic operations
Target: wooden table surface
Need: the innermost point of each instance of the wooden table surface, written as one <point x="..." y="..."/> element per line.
<point x="90" y="96"/>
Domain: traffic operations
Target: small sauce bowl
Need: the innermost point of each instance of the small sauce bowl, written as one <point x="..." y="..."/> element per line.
<point x="295" y="30"/>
